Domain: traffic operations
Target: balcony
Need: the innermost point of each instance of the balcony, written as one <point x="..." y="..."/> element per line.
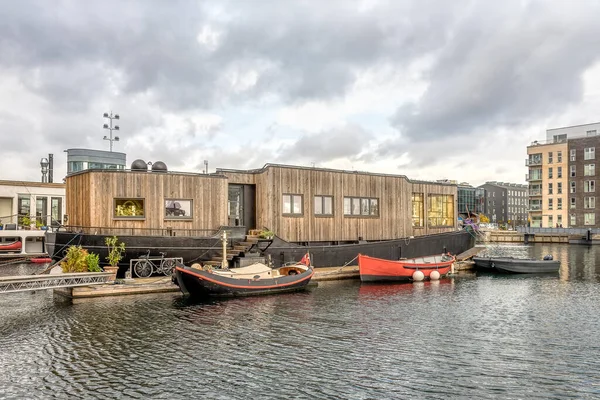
<point x="535" y="192"/>
<point x="533" y="177"/>
<point x="533" y="161"/>
<point x="535" y="208"/>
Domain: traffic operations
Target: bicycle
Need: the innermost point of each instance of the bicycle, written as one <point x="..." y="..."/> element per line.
<point x="146" y="266"/>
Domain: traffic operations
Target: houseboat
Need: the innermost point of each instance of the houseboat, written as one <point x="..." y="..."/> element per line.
<point x="332" y="214"/>
<point x="21" y="244"/>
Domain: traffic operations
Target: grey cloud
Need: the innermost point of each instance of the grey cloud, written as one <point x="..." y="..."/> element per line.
<point x="505" y="67"/>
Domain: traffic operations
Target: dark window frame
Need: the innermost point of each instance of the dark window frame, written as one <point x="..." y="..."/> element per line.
<point x="373" y="211"/>
<point x="323" y="214"/>
<point x="125" y="199"/>
<point x="292" y="213"/>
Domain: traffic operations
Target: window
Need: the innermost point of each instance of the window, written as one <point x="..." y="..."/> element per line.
<point x="559" y="220"/>
<point x="589" y="219"/>
<point x="589" y="170"/>
<point x="56" y="210"/>
<point x="589" y="153"/>
<point x="559" y="172"/>
<point x="549" y="173"/>
<point x="572" y="171"/>
<point x="589" y="202"/>
<point x="572" y="205"/>
<point x="590" y="133"/>
<point x="440" y="210"/>
<point x="559" y="156"/>
<point x="323" y="205"/>
<point x="24" y="208"/>
<point x="550" y="221"/>
<point x="361" y="206"/>
<point x="550" y="205"/>
<point x="559" y="187"/>
<point x="292" y="204"/>
<point x="572" y="187"/>
<point x="572" y="220"/>
<point x="129" y="208"/>
<point x="550" y="158"/>
<point x="573" y="153"/>
<point x="559" y="204"/>
<point x="418" y="210"/>
<point x="178" y="209"/>
<point x="589" y="186"/>
<point x="549" y="188"/>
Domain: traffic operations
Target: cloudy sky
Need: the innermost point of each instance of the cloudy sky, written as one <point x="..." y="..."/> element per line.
<point x="428" y="89"/>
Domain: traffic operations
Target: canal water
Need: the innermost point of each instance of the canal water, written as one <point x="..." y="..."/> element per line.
<point x="472" y="336"/>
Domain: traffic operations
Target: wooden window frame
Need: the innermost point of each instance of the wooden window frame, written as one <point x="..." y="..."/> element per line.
<point x="450" y="218"/>
<point x="421" y="215"/>
<point x="179" y="218"/>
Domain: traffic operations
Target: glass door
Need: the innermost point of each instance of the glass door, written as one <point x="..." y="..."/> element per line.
<point x="235" y="205"/>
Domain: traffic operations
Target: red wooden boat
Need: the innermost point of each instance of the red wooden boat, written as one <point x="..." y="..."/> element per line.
<point x="12" y="246"/>
<point x="379" y="270"/>
<point x="41" y="260"/>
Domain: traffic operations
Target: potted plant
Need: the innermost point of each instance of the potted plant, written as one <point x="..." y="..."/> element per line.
<point x="115" y="253"/>
<point x="77" y="259"/>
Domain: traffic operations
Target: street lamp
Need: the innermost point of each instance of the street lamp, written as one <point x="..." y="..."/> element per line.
<point x="110" y="127"/>
<point x="44" y="164"/>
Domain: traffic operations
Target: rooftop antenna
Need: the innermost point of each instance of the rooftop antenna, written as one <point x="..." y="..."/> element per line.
<point x="110" y="127"/>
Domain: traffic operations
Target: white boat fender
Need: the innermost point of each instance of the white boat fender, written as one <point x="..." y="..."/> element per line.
<point x="434" y="276"/>
<point x="418" y="276"/>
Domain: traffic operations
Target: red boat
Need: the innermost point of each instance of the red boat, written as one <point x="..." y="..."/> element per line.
<point x="12" y="246"/>
<point x="41" y="260"/>
<point x="379" y="270"/>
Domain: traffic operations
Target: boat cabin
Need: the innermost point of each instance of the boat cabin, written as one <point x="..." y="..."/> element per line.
<point x="298" y="204"/>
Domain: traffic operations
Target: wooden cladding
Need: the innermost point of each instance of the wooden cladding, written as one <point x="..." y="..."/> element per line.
<point x="94" y="196"/>
<point x="393" y="196"/>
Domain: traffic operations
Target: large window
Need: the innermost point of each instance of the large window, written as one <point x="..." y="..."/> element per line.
<point x="559" y="204"/>
<point x="572" y="204"/>
<point x="549" y="173"/>
<point x="56" y="210"/>
<point x="550" y="188"/>
<point x="589" y="202"/>
<point x="573" y="153"/>
<point x="559" y="187"/>
<point x="418" y="210"/>
<point x="572" y="171"/>
<point x="589" y="170"/>
<point x="572" y="219"/>
<point x="178" y="208"/>
<point x="589" y="153"/>
<point x="440" y="210"/>
<point x="559" y="156"/>
<point x="323" y="205"/>
<point x="589" y="186"/>
<point x="572" y="187"/>
<point x="365" y="206"/>
<point x="24" y="209"/>
<point x="550" y="204"/>
<point x="292" y="204"/>
<point x="559" y="172"/>
<point x="41" y="211"/>
<point x="589" y="219"/>
<point x="550" y="158"/>
<point x="129" y="208"/>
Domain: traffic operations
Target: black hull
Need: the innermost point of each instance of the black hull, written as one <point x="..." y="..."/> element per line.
<point x="198" y="283"/>
<point x="195" y="249"/>
<point x="345" y="254"/>
<point x="381" y="278"/>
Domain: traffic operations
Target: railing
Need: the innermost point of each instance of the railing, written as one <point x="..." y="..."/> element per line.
<point x="534" y="207"/>
<point x="103" y="230"/>
<point x="24" y="283"/>
<point x="569" y="231"/>
<point x="535" y="177"/>
<point x="530" y="162"/>
<point x="535" y="192"/>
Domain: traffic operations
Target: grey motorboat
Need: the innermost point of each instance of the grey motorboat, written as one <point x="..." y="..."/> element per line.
<point x="513" y="265"/>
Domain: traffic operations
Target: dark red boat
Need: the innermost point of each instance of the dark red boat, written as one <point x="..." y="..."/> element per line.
<point x="12" y="246"/>
<point x="379" y="270"/>
<point x="255" y="279"/>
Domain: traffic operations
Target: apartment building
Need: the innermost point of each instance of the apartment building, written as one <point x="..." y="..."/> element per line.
<point x="561" y="177"/>
<point x="506" y="203"/>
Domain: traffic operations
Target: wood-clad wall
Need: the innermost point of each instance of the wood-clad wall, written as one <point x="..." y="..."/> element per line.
<point x="91" y="194"/>
<point x="393" y="192"/>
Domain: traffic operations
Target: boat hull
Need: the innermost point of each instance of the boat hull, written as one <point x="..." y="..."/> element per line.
<point x="378" y="270"/>
<point x="199" y="283"/>
<point x="517" y="266"/>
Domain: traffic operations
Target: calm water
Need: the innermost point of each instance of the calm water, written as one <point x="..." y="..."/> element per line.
<point x="470" y="336"/>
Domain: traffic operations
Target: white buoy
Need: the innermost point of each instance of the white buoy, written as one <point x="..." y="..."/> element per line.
<point x="434" y="276"/>
<point x="418" y="276"/>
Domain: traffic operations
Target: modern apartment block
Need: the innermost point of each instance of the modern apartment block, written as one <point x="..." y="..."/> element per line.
<point x="582" y="182"/>
<point x="562" y="177"/>
<point x="81" y="159"/>
<point x="506" y="203"/>
<point x="471" y="200"/>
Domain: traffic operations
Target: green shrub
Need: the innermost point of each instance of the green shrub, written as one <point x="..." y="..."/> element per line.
<point x="115" y="250"/>
<point x="266" y="234"/>
<point x="75" y="260"/>
<point x="93" y="262"/>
